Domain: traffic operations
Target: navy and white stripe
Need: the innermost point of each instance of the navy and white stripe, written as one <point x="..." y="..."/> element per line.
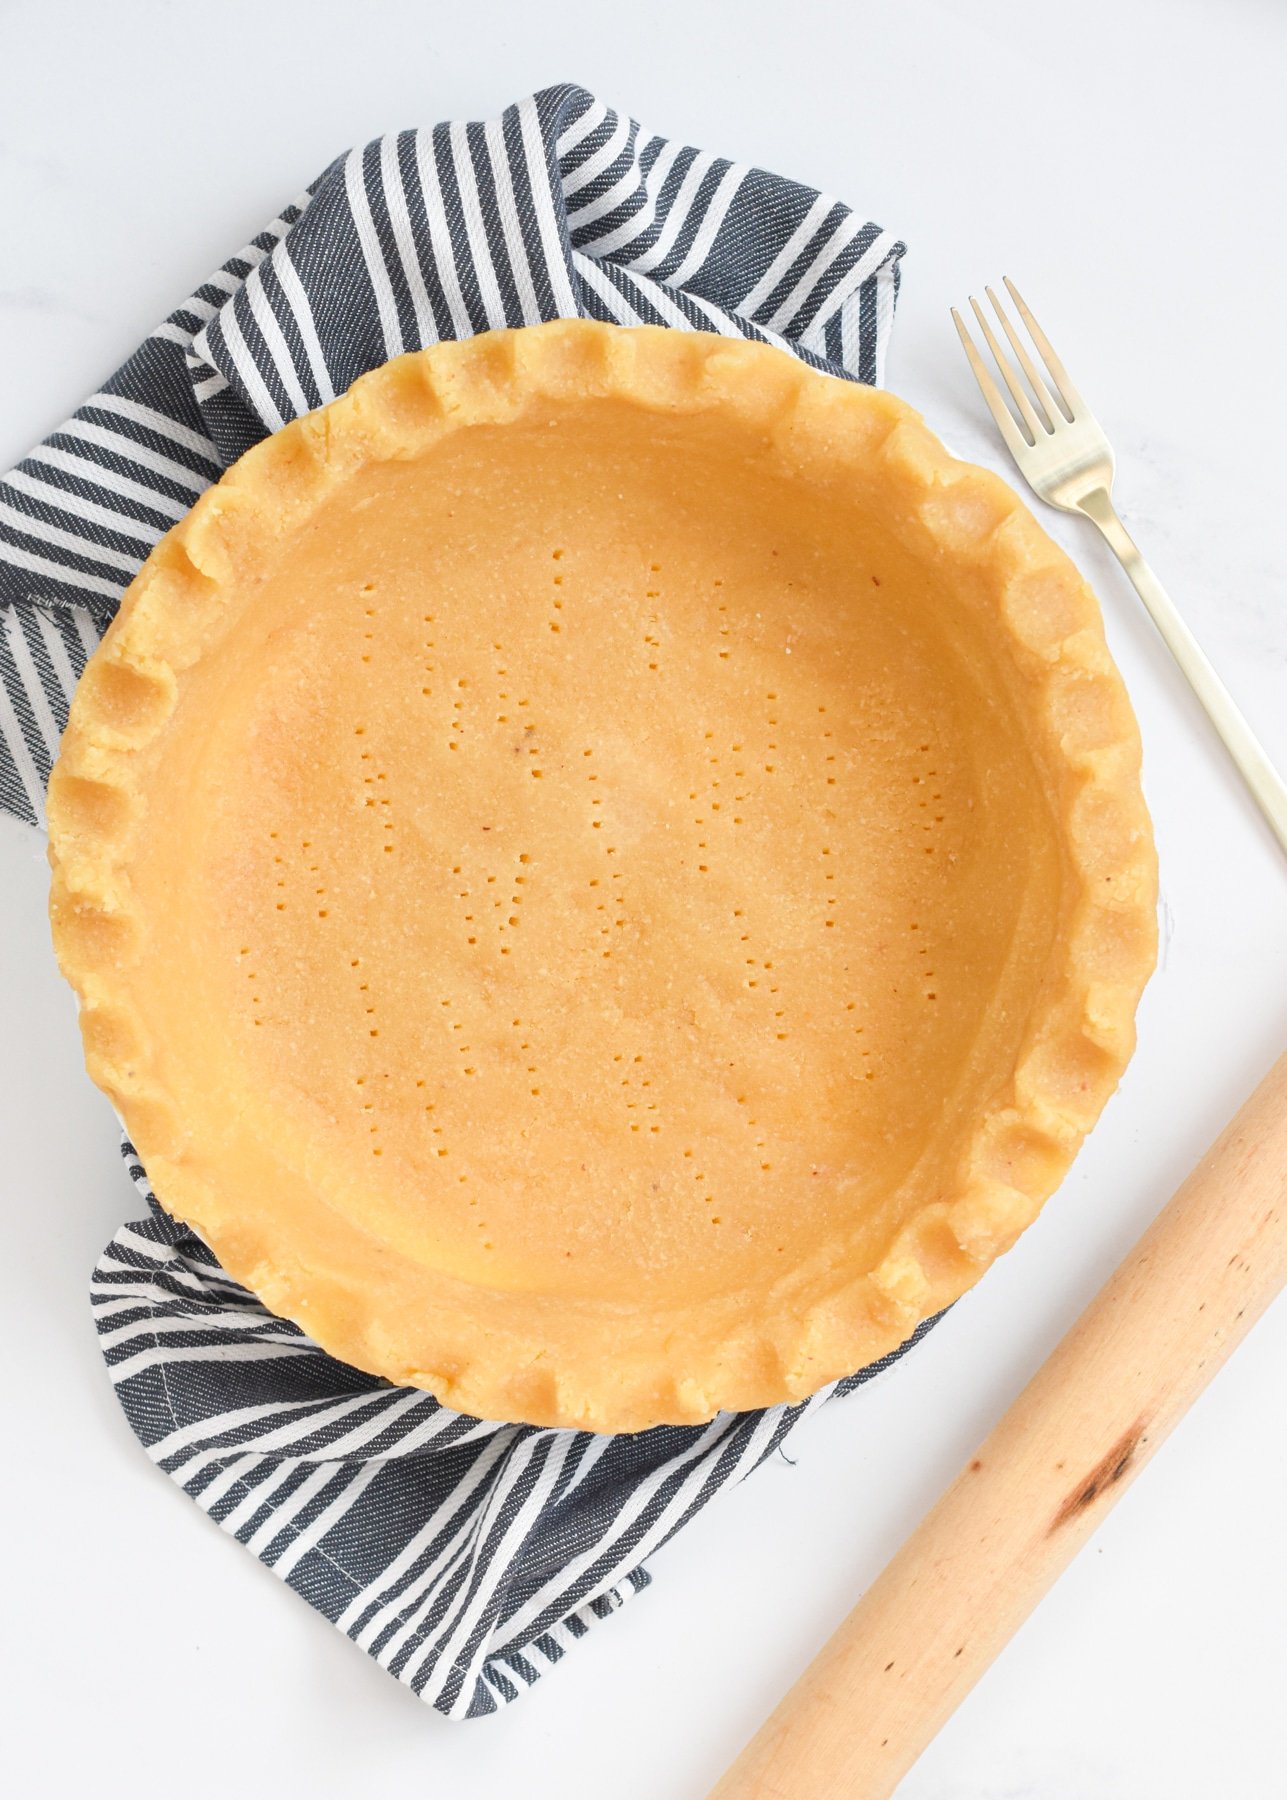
<point x="466" y="1557"/>
<point x="559" y="208"/>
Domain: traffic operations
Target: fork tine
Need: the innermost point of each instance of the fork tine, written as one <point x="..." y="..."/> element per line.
<point x="1046" y="402"/>
<point x="1015" y="440"/>
<point x="1037" y="427"/>
<point x="1072" y="400"/>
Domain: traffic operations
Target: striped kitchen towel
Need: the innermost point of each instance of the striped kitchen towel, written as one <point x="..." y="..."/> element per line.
<point x="465" y="1556"/>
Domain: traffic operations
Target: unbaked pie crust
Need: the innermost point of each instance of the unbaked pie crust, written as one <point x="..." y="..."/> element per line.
<point x="605" y="872"/>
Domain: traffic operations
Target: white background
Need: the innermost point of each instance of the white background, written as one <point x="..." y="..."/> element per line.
<point x="1124" y="162"/>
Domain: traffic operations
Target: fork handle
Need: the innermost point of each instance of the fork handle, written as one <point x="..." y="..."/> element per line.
<point x="1265" y="783"/>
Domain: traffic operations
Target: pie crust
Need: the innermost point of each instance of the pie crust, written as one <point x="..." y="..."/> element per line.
<point x="605" y="873"/>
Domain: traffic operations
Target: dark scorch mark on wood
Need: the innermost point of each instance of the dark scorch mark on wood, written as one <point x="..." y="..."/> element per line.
<point x="1108" y="1471"/>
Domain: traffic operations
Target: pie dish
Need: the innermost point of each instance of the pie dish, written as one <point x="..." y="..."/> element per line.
<point x="605" y="873"/>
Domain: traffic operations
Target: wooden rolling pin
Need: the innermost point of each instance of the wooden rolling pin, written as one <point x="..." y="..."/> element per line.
<point x="1080" y="1432"/>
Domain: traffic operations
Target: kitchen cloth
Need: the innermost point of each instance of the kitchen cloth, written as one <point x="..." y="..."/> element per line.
<point x="465" y="1556"/>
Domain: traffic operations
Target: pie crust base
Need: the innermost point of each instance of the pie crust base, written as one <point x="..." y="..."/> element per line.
<point x="605" y="872"/>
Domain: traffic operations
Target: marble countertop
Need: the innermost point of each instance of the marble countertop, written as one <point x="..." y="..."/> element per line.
<point x="143" y="141"/>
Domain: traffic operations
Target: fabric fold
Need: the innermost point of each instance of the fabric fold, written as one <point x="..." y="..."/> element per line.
<point x="466" y="1557"/>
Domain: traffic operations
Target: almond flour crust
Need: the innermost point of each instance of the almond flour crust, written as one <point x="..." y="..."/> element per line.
<point x="370" y="1290"/>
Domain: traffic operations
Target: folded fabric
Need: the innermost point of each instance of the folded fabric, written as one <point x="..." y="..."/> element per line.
<point x="465" y="1556"/>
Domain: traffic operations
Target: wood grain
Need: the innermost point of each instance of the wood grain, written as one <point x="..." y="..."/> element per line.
<point x="1084" y="1427"/>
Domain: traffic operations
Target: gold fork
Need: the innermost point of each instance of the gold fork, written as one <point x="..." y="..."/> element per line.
<point x="1066" y="459"/>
